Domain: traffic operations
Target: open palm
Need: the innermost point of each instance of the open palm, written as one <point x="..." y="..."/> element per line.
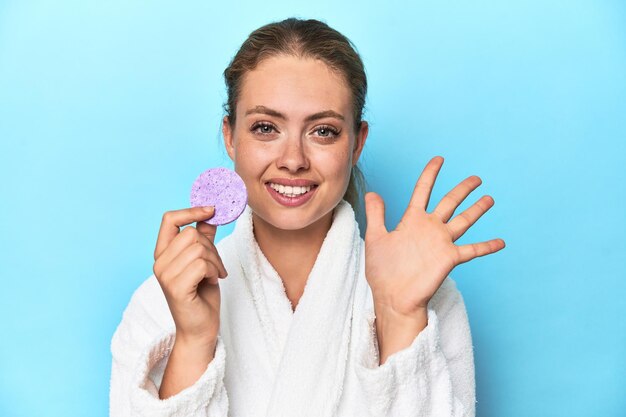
<point x="406" y="266"/>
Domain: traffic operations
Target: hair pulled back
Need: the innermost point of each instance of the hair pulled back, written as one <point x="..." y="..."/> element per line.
<point x="303" y="39"/>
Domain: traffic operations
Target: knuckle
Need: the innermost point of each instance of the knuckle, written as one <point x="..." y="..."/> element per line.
<point x="189" y="232"/>
<point x="164" y="278"/>
<point x="210" y="270"/>
<point x="204" y="266"/>
<point x="453" y="198"/>
<point x="198" y="249"/>
<point x="167" y="217"/>
<point x="168" y="275"/>
<point x="176" y="292"/>
<point x="466" y="187"/>
<point x="441" y="216"/>
<point x="198" y="265"/>
<point x="481" y="205"/>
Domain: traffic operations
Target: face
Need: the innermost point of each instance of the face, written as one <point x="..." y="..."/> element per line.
<point x="294" y="143"/>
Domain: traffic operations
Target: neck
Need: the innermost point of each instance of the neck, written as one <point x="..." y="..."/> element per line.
<point x="292" y="253"/>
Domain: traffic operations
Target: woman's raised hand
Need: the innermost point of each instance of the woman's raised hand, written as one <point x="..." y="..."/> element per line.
<point x="187" y="266"/>
<point x="406" y="266"/>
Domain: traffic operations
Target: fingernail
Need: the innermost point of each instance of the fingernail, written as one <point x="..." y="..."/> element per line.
<point x="208" y="209"/>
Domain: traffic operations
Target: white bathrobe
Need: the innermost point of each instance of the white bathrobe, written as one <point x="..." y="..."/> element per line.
<point x="321" y="360"/>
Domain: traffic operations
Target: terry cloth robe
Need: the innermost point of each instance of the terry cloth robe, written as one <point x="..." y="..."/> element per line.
<point x="321" y="360"/>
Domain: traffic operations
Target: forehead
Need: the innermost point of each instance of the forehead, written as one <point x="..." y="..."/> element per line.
<point x="294" y="86"/>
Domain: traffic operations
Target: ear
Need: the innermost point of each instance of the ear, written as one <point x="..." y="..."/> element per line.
<point x="228" y="138"/>
<point x="359" y="142"/>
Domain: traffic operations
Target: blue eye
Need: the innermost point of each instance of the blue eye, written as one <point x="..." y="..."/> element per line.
<point x="331" y="132"/>
<point x="266" y="128"/>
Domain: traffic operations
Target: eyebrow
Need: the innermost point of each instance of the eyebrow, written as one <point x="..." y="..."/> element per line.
<point x="315" y="116"/>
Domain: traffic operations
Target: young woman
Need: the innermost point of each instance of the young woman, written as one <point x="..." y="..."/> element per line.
<point x="293" y="314"/>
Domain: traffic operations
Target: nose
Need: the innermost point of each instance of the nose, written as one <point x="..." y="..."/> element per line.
<point x="293" y="155"/>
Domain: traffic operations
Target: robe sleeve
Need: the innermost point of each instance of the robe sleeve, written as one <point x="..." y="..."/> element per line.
<point x="140" y="349"/>
<point x="434" y="376"/>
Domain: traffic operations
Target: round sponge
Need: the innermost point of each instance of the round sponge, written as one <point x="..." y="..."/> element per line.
<point x="223" y="189"/>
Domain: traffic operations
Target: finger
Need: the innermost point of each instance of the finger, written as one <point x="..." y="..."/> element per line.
<point x="207" y="230"/>
<point x="188" y="238"/>
<point x="212" y="254"/>
<point x="195" y="251"/>
<point x="454" y="198"/>
<point x="375" y="216"/>
<point x="474" y="250"/>
<point x="212" y="249"/>
<point x="185" y="238"/>
<point x="459" y="225"/>
<point x="425" y="182"/>
<point x="188" y="280"/>
<point x="172" y="222"/>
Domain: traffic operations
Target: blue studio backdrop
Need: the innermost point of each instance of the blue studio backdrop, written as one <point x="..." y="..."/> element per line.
<point x="109" y="111"/>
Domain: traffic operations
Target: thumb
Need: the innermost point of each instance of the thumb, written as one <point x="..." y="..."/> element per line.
<point x="174" y="220"/>
<point x="375" y="214"/>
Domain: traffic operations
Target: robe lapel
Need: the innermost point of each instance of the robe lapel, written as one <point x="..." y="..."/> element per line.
<point x="312" y="366"/>
<point x="279" y="310"/>
<point x="308" y="349"/>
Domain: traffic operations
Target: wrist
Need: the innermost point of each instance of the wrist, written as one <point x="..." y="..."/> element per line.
<point x="195" y="344"/>
<point x="188" y="360"/>
<point x="389" y="320"/>
<point x="396" y="331"/>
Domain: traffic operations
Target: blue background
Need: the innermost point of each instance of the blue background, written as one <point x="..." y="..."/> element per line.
<point x="109" y="111"/>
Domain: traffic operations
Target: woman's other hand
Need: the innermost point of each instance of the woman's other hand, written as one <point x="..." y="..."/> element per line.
<point x="406" y="266"/>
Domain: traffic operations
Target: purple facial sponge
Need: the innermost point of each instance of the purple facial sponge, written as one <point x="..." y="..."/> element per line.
<point x="222" y="188"/>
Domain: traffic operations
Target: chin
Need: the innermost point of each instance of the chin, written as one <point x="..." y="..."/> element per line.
<point x="288" y="219"/>
<point x="291" y="218"/>
<point x="290" y="224"/>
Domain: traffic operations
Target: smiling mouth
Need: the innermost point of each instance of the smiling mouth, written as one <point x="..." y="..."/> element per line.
<point x="291" y="191"/>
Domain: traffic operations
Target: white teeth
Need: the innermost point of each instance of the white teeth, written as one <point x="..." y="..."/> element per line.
<point x="290" y="191"/>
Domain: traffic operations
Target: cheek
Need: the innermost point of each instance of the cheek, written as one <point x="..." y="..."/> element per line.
<point x="251" y="158"/>
<point x="336" y="165"/>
